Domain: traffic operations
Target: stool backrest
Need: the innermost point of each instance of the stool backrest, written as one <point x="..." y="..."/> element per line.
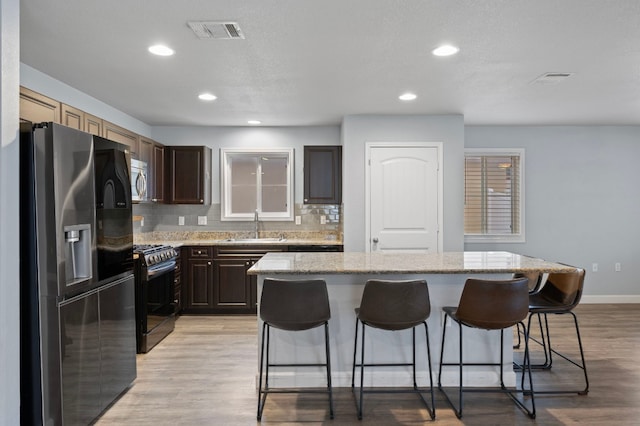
<point x="564" y="288"/>
<point x="535" y="279"/>
<point x="294" y="304"/>
<point x="394" y="305"/>
<point x="493" y="304"/>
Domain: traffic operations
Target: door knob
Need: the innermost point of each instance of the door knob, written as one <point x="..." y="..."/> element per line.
<point x="375" y="240"/>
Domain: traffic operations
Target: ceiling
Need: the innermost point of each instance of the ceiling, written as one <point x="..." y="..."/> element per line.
<point x="306" y="62"/>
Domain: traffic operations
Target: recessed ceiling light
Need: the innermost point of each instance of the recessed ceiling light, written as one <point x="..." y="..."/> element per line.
<point x="207" y="97"/>
<point x="254" y="122"/>
<point x="445" y="50"/>
<point x="407" y="97"/>
<point x="161" y="50"/>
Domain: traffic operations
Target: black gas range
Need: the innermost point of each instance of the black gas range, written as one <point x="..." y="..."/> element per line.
<point x="155" y="304"/>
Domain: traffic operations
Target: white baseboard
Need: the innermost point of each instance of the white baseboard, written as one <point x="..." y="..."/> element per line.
<point x="621" y="298"/>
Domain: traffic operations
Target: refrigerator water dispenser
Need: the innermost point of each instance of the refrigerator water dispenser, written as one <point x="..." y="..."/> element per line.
<point x="77" y="253"/>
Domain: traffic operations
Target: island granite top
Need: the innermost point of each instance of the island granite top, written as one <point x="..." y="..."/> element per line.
<point x="402" y="263"/>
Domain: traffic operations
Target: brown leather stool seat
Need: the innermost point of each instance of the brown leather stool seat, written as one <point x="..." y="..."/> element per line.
<point x="489" y="305"/>
<point x="560" y="294"/>
<point x="293" y="305"/>
<point x="393" y="306"/>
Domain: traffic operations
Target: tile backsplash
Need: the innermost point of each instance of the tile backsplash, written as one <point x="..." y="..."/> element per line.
<point x="165" y="217"/>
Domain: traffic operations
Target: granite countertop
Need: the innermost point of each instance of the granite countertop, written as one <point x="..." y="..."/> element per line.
<point x="402" y="263"/>
<point x="178" y="239"/>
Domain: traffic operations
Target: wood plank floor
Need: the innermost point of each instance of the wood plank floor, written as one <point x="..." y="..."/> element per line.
<point x="203" y="374"/>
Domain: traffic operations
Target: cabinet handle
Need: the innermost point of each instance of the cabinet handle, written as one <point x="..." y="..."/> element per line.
<point x="209" y="263"/>
<point x="247" y="263"/>
<point x="306" y="199"/>
<point x="201" y="201"/>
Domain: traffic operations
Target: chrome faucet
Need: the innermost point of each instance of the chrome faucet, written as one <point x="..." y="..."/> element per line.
<point x="256" y="220"/>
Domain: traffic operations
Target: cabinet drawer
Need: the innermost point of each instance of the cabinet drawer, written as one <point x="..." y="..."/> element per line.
<point x="245" y="251"/>
<point x="200" y="252"/>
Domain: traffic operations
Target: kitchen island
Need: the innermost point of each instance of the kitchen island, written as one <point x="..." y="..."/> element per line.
<point x="346" y="273"/>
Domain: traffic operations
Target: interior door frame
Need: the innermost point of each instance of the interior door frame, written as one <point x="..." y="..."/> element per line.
<point x="371" y="145"/>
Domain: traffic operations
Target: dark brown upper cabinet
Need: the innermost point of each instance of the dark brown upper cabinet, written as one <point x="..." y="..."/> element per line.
<point x="152" y="153"/>
<point x="189" y="175"/>
<point x="323" y="174"/>
<point x="159" y="164"/>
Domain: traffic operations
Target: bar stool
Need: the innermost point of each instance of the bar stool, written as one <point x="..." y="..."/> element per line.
<point x="393" y="306"/>
<point x="489" y="305"/>
<point x="560" y="294"/>
<point x="293" y="305"/>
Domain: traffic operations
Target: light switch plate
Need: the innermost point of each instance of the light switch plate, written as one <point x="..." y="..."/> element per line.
<point x="323" y="220"/>
<point x="298" y="220"/>
<point x="180" y="220"/>
<point x="202" y="220"/>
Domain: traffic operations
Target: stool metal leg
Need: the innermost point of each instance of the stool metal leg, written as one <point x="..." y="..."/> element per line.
<point x="328" y="354"/>
<point x="262" y="396"/>
<point x="360" y="396"/>
<point x="527" y="365"/>
<point x="355" y="347"/>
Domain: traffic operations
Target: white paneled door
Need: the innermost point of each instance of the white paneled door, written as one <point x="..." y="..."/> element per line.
<point x="403" y="197"/>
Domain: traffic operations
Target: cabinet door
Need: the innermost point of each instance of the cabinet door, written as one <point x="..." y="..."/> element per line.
<point x="232" y="290"/>
<point x="158" y="172"/>
<point x="322" y="174"/>
<point x="122" y="135"/>
<point x="72" y="117"/>
<point x="145" y="153"/>
<point x="93" y="124"/>
<point x="38" y="108"/>
<point x="200" y="285"/>
<point x="189" y="175"/>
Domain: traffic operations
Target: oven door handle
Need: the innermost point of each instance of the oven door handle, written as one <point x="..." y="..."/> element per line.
<point x="166" y="267"/>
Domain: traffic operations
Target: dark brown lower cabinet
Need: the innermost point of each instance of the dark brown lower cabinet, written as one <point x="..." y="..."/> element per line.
<point x="177" y="282"/>
<point x="197" y="295"/>
<point x="235" y="292"/>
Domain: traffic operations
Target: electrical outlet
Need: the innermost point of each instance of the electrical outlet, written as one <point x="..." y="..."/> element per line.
<point x="323" y="220"/>
<point x="142" y="222"/>
<point x="181" y="220"/>
<point x="202" y="220"/>
<point x="594" y="267"/>
<point x="618" y="267"/>
<point x="298" y="220"/>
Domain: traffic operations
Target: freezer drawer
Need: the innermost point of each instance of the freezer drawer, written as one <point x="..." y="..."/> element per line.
<point x="80" y="360"/>
<point x="117" y="339"/>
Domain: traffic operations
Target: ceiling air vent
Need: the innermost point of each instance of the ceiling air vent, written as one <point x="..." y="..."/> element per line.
<point x="552" y="78"/>
<point x="205" y="30"/>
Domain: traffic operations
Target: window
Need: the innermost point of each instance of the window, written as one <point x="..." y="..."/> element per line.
<point x="493" y="195"/>
<point x="257" y="180"/>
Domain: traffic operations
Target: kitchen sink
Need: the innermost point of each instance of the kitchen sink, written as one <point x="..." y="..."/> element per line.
<point x="255" y="240"/>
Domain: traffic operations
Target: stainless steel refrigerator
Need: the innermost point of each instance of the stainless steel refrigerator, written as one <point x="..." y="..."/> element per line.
<point x="78" y="343"/>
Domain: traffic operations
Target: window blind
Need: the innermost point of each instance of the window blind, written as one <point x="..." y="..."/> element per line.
<point x="492" y="194"/>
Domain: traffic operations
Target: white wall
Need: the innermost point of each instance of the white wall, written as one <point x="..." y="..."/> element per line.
<point x="249" y="137"/>
<point x="582" y="204"/>
<point x="9" y="221"/>
<point x="357" y="130"/>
